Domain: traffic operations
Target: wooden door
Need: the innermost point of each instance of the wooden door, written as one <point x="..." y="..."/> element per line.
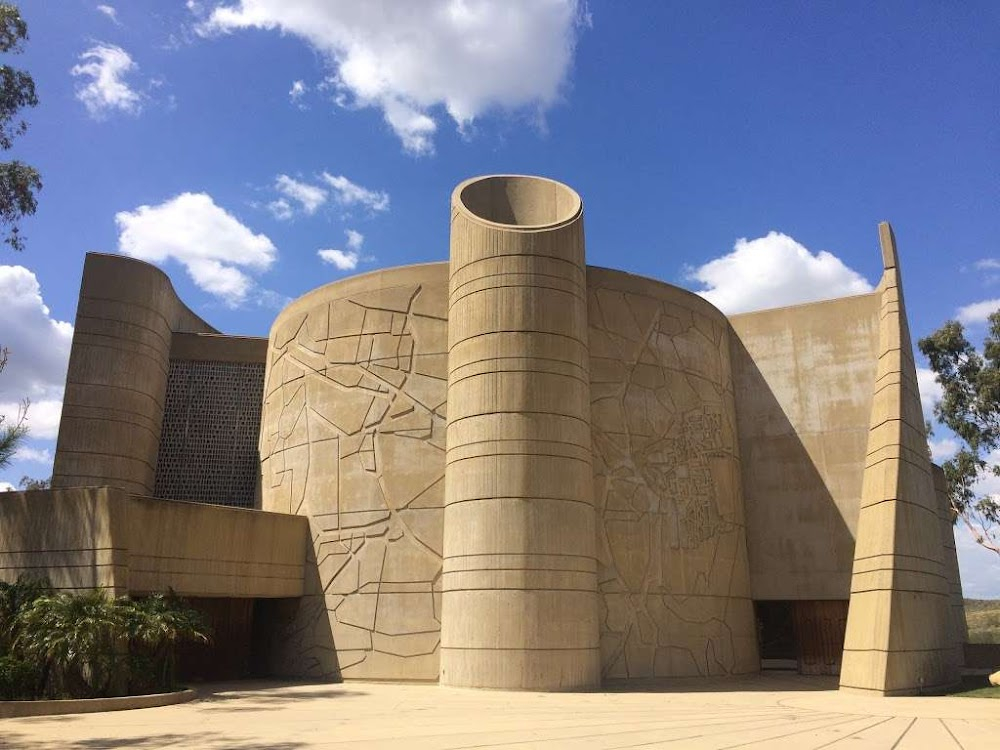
<point x="819" y="630"/>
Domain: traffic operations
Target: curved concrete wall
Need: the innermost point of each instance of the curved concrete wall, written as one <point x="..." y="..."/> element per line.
<point x="672" y="549"/>
<point x="353" y="436"/>
<point x="519" y="585"/>
<point x="116" y="382"/>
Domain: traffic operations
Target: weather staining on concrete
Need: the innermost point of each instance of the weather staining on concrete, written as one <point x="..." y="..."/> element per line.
<point x="354" y="437"/>
<point x="672" y="572"/>
<point x="511" y="470"/>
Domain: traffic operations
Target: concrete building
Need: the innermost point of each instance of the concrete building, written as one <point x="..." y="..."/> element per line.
<point x="510" y="470"/>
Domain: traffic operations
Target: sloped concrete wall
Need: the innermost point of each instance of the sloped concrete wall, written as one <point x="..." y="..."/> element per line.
<point x="804" y="378"/>
<point x="900" y="630"/>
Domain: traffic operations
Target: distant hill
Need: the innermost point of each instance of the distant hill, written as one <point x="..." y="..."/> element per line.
<point x="983" y="616"/>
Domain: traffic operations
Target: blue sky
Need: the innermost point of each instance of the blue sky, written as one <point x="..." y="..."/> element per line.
<point x="294" y="139"/>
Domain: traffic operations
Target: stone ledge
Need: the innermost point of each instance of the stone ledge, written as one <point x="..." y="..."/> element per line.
<point x="12" y="709"/>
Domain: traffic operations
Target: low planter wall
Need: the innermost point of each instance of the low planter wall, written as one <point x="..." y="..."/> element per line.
<point x="11" y="709"/>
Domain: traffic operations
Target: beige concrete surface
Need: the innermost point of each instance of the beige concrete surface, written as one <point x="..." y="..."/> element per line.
<point x="900" y="635"/>
<point x="102" y="537"/>
<point x="804" y="378"/>
<point x="353" y="437"/>
<point x="792" y="713"/>
<point x="519" y="586"/>
<point x="73" y="537"/>
<point x="112" y="410"/>
<point x="202" y="347"/>
<point x="214" y="551"/>
<point x="672" y="545"/>
<point x="16" y="709"/>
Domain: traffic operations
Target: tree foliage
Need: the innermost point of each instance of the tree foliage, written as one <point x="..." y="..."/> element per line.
<point x="18" y="181"/>
<point x="970" y="408"/>
<point x="12" y="431"/>
<point x="89" y="644"/>
<point x="30" y="483"/>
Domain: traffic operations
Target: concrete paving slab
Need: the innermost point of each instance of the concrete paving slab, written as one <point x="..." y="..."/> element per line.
<point x="770" y="711"/>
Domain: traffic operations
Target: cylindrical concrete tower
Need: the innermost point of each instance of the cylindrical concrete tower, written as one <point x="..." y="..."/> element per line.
<point x="520" y="606"/>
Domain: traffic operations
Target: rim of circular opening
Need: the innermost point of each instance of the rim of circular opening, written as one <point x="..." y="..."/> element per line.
<point x="568" y="219"/>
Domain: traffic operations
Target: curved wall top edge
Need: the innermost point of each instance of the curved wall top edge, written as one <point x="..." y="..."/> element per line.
<point x="432" y="273"/>
<point x="519" y="200"/>
<point x="425" y="273"/>
<point x="143" y="266"/>
<point x="626" y="281"/>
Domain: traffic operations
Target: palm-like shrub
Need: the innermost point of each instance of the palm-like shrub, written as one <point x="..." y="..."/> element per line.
<point x="79" y="636"/>
<point x="154" y="626"/>
<point x="13" y="598"/>
<point x="90" y="644"/>
<point x="21" y="677"/>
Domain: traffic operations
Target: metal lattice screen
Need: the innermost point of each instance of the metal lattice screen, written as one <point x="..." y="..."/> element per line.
<point x="211" y="421"/>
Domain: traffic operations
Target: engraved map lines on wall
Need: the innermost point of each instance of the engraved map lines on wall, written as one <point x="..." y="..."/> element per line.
<point x="359" y="448"/>
<point x="671" y="543"/>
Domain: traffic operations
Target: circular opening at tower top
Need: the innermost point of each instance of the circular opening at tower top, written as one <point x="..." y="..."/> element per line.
<point x="520" y="201"/>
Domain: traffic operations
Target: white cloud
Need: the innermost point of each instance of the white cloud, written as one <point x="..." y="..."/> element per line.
<point x="407" y="58"/>
<point x="281" y="209"/>
<point x="980" y="567"/>
<point x="774" y="271"/>
<point x="297" y="92"/>
<point x="354" y="239"/>
<point x="39" y="353"/>
<point x="310" y="197"/>
<point x="110" y="12"/>
<point x="930" y="391"/>
<point x="943" y="449"/>
<point x="348" y="194"/>
<point x="43" y="414"/>
<point x="106" y="65"/>
<point x="7" y="487"/>
<point x="35" y="455"/>
<point x="977" y="312"/>
<point x="345" y="261"/>
<point x="212" y="244"/>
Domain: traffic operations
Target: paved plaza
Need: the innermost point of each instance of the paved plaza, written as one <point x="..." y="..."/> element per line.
<point x="771" y="711"/>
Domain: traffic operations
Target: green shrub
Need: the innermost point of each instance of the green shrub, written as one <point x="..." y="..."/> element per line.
<point x="89" y="644"/>
<point x="19" y="679"/>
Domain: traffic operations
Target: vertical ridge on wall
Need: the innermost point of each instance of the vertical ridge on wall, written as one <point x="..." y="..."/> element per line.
<point x="519" y="603"/>
<point x="898" y="638"/>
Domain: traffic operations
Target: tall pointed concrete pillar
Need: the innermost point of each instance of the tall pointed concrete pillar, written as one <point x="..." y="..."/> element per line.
<point x="520" y="608"/>
<point x="899" y="638"/>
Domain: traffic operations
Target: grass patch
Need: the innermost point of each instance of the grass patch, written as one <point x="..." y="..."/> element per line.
<point x="983" y="617"/>
<point x="977" y="686"/>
